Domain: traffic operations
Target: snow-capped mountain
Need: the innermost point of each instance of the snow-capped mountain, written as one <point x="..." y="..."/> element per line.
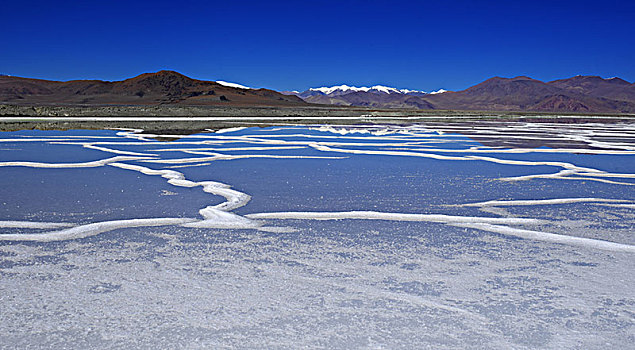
<point x="339" y="90"/>
<point x="343" y="89"/>
<point x="379" y="96"/>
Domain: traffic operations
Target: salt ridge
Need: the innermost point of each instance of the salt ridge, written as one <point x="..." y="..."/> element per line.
<point x="91" y="164"/>
<point x="552" y="237"/>
<point x="542" y="202"/>
<point x="219" y="216"/>
<point x="93" y="229"/>
<point x="34" y="224"/>
<point x="375" y="215"/>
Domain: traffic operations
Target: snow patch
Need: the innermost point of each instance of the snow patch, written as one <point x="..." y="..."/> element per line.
<point x="234" y="85"/>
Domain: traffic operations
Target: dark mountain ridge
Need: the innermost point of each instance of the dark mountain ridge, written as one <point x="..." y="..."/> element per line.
<point x="527" y="94"/>
<point x="164" y="87"/>
<point x="612" y="88"/>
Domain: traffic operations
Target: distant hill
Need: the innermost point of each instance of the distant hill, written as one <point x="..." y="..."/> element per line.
<point x="584" y="94"/>
<point x="377" y="96"/>
<point x="372" y="100"/>
<point x="579" y="94"/>
<point x="526" y="94"/>
<point x="612" y="88"/>
<point x="340" y="90"/>
<point x="164" y="87"/>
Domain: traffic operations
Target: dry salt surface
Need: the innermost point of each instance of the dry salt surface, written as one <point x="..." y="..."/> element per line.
<point x="484" y="235"/>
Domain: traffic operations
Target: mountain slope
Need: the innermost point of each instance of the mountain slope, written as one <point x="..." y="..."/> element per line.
<point x="613" y="88"/>
<point x="377" y="96"/>
<point x="164" y="87"/>
<point x="497" y="93"/>
<point x="366" y="99"/>
<point x="526" y="94"/>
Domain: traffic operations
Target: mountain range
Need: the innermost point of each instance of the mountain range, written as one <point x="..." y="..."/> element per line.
<point x="345" y="89"/>
<point x="164" y="87"/>
<point x="579" y="94"/>
<point x="590" y="94"/>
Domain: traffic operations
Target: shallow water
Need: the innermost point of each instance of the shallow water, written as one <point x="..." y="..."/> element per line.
<point x="487" y="235"/>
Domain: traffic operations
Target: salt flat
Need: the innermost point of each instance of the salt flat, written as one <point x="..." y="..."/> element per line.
<point x="490" y="234"/>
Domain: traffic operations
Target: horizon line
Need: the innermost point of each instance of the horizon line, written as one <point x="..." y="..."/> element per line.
<point x="231" y="81"/>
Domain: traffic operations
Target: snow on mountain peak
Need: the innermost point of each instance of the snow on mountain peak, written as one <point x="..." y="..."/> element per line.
<point x="440" y="91"/>
<point x="408" y="91"/>
<point x="345" y="88"/>
<point x="385" y="89"/>
<point x="340" y="89"/>
<point x="234" y="85"/>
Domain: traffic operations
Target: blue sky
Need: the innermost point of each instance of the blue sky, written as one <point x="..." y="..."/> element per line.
<point x="293" y="45"/>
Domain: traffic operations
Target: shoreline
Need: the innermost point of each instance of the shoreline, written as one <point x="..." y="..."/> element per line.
<point x="186" y="118"/>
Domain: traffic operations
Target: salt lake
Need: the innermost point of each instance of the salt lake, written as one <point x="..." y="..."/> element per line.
<point x="489" y="235"/>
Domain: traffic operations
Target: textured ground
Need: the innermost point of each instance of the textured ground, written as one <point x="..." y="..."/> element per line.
<point x="491" y="235"/>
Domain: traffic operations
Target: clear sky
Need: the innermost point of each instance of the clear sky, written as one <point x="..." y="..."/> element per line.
<point x="294" y="45"/>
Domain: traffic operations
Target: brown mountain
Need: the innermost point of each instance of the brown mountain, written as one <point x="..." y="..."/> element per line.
<point x="526" y="94"/>
<point x="164" y="87"/>
<point x="613" y="88"/>
<point x="497" y="93"/>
